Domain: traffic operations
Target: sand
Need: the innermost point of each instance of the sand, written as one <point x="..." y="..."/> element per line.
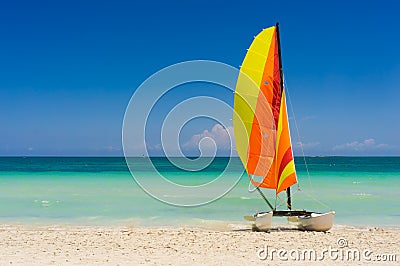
<point x="118" y="245"/>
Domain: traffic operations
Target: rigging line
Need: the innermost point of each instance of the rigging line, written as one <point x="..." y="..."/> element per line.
<point x="282" y="202"/>
<point x="317" y="200"/>
<point x="302" y="151"/>
<point x="298" y="136"/>
<point x="305" y="193"/>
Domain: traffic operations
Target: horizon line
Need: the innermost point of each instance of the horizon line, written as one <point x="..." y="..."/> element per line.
<point x="190" y="157"/>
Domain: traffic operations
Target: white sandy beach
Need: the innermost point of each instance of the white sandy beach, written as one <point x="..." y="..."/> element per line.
<point x="89" y="245"/>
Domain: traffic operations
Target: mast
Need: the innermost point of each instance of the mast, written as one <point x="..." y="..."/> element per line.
<point x="289" y="200"/>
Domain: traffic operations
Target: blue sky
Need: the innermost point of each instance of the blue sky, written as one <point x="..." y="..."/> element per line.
<point x="69" y="68"/>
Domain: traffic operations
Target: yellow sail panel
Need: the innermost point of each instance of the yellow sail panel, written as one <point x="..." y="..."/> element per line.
<point x="242" y="120"/>
<point x="254" y="149"/>
<point x="254" y="62"/>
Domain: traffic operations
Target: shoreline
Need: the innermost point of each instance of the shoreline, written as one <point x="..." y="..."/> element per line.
<point x="202" y="224"/>
<point x="199" y="223"/>
<point x="167" y="245"/>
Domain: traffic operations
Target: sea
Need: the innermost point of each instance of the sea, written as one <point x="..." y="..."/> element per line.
<point x="363" y="191"/>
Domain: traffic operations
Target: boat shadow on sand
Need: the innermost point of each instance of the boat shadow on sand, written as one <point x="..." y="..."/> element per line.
<point x="275" y="229"/>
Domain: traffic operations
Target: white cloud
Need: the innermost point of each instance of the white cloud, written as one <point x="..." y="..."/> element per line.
<point x="366" y="145"/>
<point x="222" y="137"/>
<point x="307" y="145"/>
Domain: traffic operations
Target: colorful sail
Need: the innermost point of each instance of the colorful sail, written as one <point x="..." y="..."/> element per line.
<point x="260" y="116"/>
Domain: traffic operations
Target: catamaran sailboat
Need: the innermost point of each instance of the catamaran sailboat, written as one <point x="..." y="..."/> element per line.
<point x="262" y="132"/>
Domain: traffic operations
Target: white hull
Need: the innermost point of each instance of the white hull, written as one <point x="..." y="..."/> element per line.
<point x="317" y="222"/>
<point x="320" y="222"/>
<point x="263" y="221"/>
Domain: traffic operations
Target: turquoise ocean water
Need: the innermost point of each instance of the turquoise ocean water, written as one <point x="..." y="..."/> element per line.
<point x="101" y="191"/>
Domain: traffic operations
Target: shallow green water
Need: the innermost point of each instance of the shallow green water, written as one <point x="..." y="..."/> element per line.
<point x="363" y="191"/>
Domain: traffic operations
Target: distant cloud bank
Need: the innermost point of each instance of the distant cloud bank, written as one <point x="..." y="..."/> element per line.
<point x="366" y="145"/>
<point x="307" y="145"/>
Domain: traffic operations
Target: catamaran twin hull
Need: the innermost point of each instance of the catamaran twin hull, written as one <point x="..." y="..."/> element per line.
<point x="262" y="134"/>
<point x="308" y="221"/>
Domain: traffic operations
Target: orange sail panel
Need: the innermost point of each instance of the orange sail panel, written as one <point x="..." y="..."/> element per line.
<point x="260" y="117"/>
